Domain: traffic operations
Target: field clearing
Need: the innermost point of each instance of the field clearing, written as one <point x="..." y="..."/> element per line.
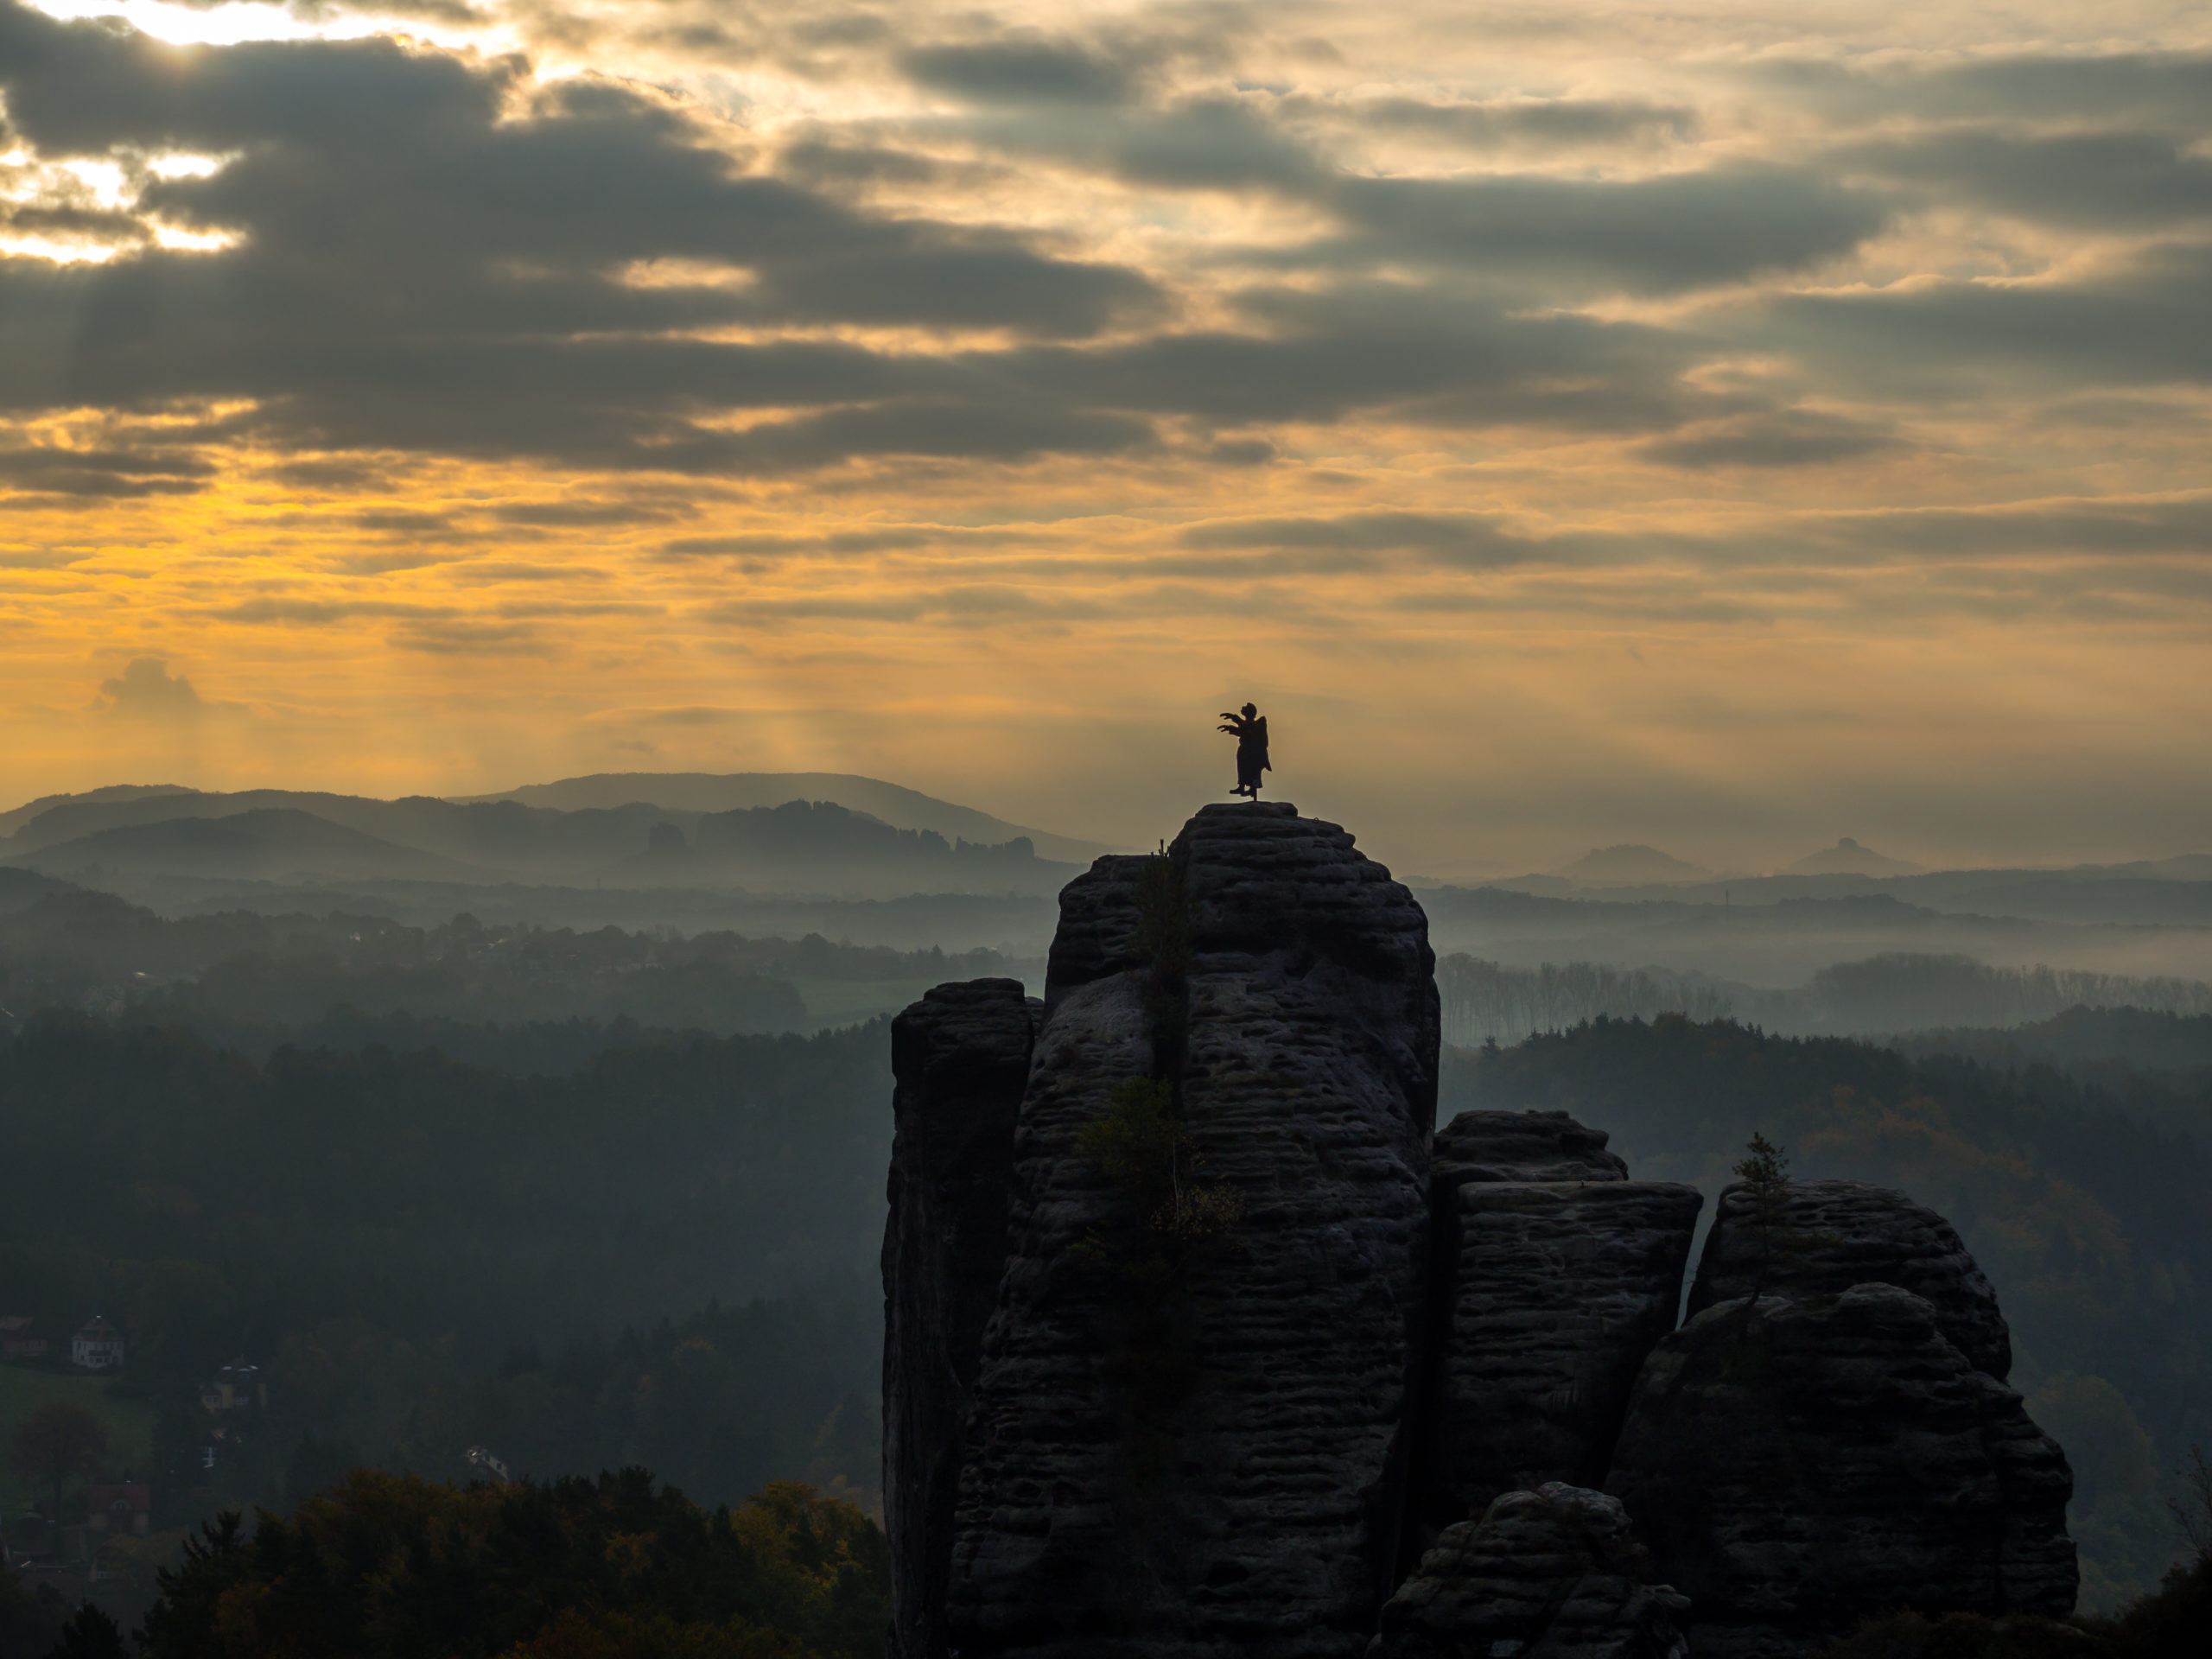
<point x="130" y="1424"/>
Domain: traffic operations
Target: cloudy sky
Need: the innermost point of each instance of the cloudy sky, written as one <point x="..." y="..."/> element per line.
<point x="1727" y="425"/>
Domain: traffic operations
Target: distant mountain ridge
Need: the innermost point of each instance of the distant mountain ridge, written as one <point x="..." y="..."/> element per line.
<point x="706" y="791"/>
<point x="796" y="846"/>
<point x="1632" y="866"/>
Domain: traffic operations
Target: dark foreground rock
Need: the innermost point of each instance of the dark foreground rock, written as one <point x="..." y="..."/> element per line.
<point x="1199" y="1445"/>
<point x="1523" y="1147"/>
<point x="1552" y="1573"/>
<point x="1554" y="1295"/>
<point x="1195" y="1344"/>
<point x="961" y="1058"/>
<point x="1838" y="1234"/>
<point x="1797" y="1467"/>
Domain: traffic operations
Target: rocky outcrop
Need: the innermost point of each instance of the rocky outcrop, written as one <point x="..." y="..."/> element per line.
<point x="1797" y="1466"/>
<point x="1195" y="1344"/>
<point x="1552" y="1573"/>
<point x="1833" y="1235"/>
<point x="1199" y="1445"/>
<point x="1523" y="1147"/>
<point x="1045" y="1518"/>
<point x="961" y="1060"/>
<point x="1098" y="914"/>
<point x="1553" y="1293"/>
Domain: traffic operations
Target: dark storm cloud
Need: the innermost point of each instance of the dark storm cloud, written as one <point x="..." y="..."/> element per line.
<point x="2137" y="88"/>
<point x="1562" y="121"/>
<point x="556" y="514"/>
<point x="2140" y="324"/>
<point x="104" y="474"/>
<point x="1678" y="231"/>
<point x="1317" y="357"/>
<point x="1794" y="437"/>
<point x="2121" y="528"/>
<point x="1022" y="70"/>
<point x="423" y="265"/>
<point x="2094" y="180"/>
<point x="1663" y="232"/>
<point x="438" y="255"/>
<point x="416" y="274"/>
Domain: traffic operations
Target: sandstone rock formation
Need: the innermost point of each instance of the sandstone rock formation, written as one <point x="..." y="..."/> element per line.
<point x="961" y="1058"/>
<point x="1552" y="1293"/>
<point x="1838" y="1234"/>
<point x="1193" y="1342"/>
<point x="1552" y="1573"/>
<point x="1210" y="1457"/>
<point x="1796" y="1466"/>
<point x="1098" y="913"/>
<point x="1523" y="1147"/>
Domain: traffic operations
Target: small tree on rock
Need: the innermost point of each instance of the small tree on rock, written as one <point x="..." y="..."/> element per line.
<point x="1765" y="1175"/>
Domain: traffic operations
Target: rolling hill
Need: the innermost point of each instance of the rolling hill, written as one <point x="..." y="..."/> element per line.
<point x="266" y="843"/>
<point x="703" y="791"/>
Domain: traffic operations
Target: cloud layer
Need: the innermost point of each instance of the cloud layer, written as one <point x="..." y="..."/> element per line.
<point x="919" y="365"/>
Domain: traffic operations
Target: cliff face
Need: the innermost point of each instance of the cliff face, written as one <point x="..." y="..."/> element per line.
<point x="1833" y="1235"/>
<point x="1523" y="1147"/>
<point x="1796" y="1466"/>
<point x="1553" y="1295"/>
<point x="961" y="1058"/>
<point x="1193" y="1348"/>
<point x="1189" y="1441"/>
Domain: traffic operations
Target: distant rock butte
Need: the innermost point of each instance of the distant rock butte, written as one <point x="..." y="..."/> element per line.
<point x="1306" y="1422"/>
<point x="1848" y="857"/>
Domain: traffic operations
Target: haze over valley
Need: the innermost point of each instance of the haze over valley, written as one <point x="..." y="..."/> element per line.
<point x="858" y="828"/>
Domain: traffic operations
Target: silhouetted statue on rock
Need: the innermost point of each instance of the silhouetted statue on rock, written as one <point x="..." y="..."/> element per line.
<point x="1250" y="729"/>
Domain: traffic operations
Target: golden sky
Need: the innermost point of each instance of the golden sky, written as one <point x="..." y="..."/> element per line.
<point x="1727" y="426"/>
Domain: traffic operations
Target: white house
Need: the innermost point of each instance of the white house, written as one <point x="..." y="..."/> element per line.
<point x="97" y="1347"/>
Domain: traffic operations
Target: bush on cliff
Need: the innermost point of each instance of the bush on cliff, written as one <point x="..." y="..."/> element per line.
<point x="385" y="1566"/>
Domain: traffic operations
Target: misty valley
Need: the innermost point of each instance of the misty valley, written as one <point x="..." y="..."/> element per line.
<point x="501" y="1222"/>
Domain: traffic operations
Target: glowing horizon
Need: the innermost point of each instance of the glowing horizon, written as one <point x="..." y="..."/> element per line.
<point x="1725" y="429"/>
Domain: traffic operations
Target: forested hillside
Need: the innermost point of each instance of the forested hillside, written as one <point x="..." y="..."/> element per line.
<point x="248" y="979"/>
<point x="587" y="1246"/>
<point x="421" y="1254"/>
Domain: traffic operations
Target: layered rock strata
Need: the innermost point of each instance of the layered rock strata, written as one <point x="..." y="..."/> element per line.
<point x="1833" y="1235"/>
<point x="1553" y="1293"/>
<point x="1556" y="1572"/>
<point x="1798" y="1466"/>
<point x="961" y="1060"/>
<point x="1179" y="1300"/>
<point x="1211" y="1458"/>
<point x="1523" y="1147"/>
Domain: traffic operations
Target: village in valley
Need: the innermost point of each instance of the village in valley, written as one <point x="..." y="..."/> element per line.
<point x="105" y="1476"/>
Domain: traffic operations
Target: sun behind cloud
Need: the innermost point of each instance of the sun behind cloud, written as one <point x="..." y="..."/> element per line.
<point x="1578" y="427"/>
